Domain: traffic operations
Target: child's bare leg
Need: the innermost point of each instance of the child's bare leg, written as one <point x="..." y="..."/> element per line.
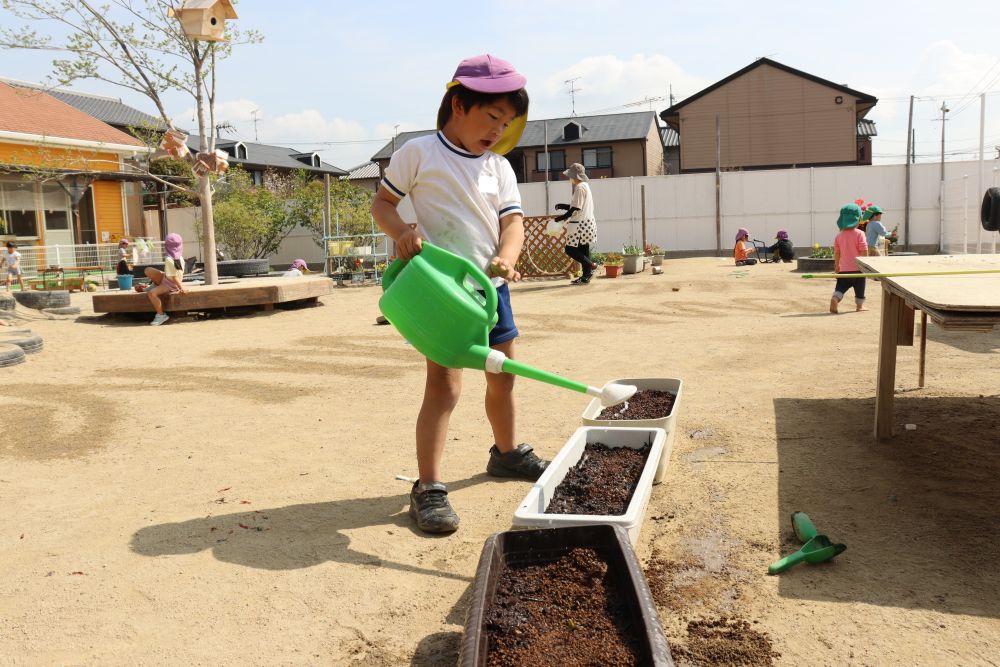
<point x="833" y="304"/>
<point x="154" y="297"/>
<point x="441" y="392"/>
<point x="859" y="305"/>
<point x="500" y="403"/>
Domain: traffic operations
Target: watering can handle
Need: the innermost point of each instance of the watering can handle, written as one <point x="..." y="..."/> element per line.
<point x="444" y="258"/>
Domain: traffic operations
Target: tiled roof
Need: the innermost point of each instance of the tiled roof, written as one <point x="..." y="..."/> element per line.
<point x="111" y="110"/>
<point x="29" y="111"/>
<point x="604" y="128"/>
<point x="366" y="170"/>
<point x="265" y="155"/>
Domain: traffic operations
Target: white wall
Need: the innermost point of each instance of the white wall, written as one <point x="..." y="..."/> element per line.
<point x="680" y="209"/>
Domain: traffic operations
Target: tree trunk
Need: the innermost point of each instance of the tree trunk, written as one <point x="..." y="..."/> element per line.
<point x="208" y="230"/>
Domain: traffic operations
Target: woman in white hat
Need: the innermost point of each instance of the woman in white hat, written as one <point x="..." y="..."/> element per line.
<point x="581" y="229"/>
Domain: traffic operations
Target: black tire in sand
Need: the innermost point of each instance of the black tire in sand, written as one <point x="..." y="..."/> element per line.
<point x="29" y="342"/>
<point x="10" y="355"/>
<point x="40" y="299"/>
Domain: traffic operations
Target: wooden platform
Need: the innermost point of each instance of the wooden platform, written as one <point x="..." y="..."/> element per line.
<point x="263" y="292"/>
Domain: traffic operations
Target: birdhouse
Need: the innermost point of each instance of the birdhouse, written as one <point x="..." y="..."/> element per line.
<point x="206" y="163"/>
<point x="204" y="19"/>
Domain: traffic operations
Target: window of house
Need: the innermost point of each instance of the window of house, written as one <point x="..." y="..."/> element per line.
<point x="17" y="207"/>
<point x="55" y="202"/>
<point x="315" y="160"/>
<point x="571" y="132"/>
<point x="597" y="158"/>
<point x="556" y="161"/>
<point x="258" y="177"/>
<point x="241" y="152"/>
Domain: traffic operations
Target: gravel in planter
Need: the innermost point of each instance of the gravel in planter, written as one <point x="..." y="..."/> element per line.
<point x="601" y="482"/>
<point x="567" y="612"/>
<point x="644" y="404"/>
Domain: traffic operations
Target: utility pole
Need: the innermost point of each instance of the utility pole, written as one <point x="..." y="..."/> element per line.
<point x="944" y="110"/>
<point x="253" y="114"/>
<point x="671" y="94"/>
<point x="909" y="149"/>
<point x="573" y="90"/>
<point x="718" y="186"/>
<point x="982" y="147"/>
<point x="395" y="133"/>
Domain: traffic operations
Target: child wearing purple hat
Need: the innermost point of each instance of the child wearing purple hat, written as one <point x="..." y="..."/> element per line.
<point x="465" y="196"/>
<point x="782" y="250"/>
<point x="168" y="281"/>
<point x="741" y="251"/>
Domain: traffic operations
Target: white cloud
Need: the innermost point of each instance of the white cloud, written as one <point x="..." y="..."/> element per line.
<point x="607" y="81"/>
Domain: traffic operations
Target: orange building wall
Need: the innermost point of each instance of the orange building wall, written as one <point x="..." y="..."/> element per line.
<point x="108" y="195"/>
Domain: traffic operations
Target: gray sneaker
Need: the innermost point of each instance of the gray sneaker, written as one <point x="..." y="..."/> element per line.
<point x="430" y="508"/>
<point x="519" y="462"/>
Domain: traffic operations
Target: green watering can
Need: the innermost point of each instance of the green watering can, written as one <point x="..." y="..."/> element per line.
<point x="430" y="301"/>
<point x="817" y="548"/>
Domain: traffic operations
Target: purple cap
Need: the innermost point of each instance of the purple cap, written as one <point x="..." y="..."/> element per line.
<point x="782" y="234"/>
<point x="300" y="264"/>
<point x="741" y="232"/>
<point x="174" y="246"/>
<point x="489" y="74"/>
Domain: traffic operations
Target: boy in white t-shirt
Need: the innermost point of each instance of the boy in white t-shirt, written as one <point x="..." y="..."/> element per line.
<point x="13" y="260"/>
<point x="466" y="199"/>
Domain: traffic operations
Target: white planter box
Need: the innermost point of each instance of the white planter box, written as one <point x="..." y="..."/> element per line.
<point x="673" y="385"/>
<point x="633" y="264"/>
<point x="360" y="250"/>
<point x="531" y="511"/>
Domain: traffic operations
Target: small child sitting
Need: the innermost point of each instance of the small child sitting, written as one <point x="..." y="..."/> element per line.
<point x="741" y="249"/>
<point x="783" y="249"/>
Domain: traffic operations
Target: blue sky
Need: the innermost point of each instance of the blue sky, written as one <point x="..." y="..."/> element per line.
<point x="339" y="77"/>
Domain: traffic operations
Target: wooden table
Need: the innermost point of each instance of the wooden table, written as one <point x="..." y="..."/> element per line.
<point x="963" y="303"/>
<point x="62" y="281"/>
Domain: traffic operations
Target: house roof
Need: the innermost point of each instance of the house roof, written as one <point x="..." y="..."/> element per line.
<point x="34" y="112"/>
<point x="111" y="110"/>
<point x="604" y="128"/>
<point x="366" y="170"/>
<point x="266" y="155"/>
<point x="868" y="100"/>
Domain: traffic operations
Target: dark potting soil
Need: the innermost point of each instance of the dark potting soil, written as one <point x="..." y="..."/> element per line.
<point x="724" y="641"/>
<point x="644" y="404"/>
<point x="567" y="612"/>
<point x="601" y="482"/>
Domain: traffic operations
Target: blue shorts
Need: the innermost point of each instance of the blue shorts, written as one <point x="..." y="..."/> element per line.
<point x="505" y="329"/>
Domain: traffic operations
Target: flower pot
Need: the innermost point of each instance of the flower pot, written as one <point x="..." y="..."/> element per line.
<point x="531" y="511"/>
<point x="667" y="423"/>
<point x="535" y="547"/>
<point x="657" y="260"/>
<point x="612" y="271"/>
<point x="633" y="264"/>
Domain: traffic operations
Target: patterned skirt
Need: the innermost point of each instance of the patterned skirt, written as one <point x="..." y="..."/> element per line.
<point x="579" y="233"/>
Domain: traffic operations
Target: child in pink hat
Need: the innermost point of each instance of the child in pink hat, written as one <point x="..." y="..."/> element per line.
<point x="466" y="200"/>
<point x="168" y="281"/>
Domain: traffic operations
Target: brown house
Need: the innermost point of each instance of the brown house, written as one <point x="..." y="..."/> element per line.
<point x="612" y="145"/>
<point x="773" y="116"/>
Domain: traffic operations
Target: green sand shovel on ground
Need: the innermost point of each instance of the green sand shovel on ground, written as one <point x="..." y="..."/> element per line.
<point x="817" y="548"/>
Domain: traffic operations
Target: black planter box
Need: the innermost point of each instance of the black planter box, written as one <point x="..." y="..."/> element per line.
<point x="549" y="544"/>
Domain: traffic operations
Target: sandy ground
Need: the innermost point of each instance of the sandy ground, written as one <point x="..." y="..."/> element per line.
<point x="222" y="492"/>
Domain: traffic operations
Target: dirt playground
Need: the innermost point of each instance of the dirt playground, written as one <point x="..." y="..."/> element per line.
<point x="222" y="492"/>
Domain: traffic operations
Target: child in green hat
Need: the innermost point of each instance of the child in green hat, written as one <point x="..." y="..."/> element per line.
<point x="847" y="247"/>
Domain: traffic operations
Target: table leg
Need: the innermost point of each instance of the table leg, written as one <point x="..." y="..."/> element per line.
<point x="885" y="387"/>
<point x="923" y="346"/>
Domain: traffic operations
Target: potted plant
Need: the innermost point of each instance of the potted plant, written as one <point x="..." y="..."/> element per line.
<point x="892" y="238"/>
<point x="819" y="261"/>
<point x="613" y="263"/>
<point x="655" y="253"/>
<point x="633" y="257"/>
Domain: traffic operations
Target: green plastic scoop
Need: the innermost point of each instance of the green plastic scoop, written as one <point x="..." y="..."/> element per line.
<point x="434" y="301"/>
<point x="819" y="549"/>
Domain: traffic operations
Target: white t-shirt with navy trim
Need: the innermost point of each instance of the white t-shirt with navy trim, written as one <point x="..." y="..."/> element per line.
<point x="459" y="198"/>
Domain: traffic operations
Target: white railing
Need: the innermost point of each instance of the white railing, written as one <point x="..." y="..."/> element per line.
<point x="34" y="258"/>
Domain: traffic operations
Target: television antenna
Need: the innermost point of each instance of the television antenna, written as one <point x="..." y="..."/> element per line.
<point x="573" y="90"/>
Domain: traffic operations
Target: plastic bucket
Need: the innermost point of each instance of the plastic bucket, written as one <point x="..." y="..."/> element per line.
<point x="124" y="282"/>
